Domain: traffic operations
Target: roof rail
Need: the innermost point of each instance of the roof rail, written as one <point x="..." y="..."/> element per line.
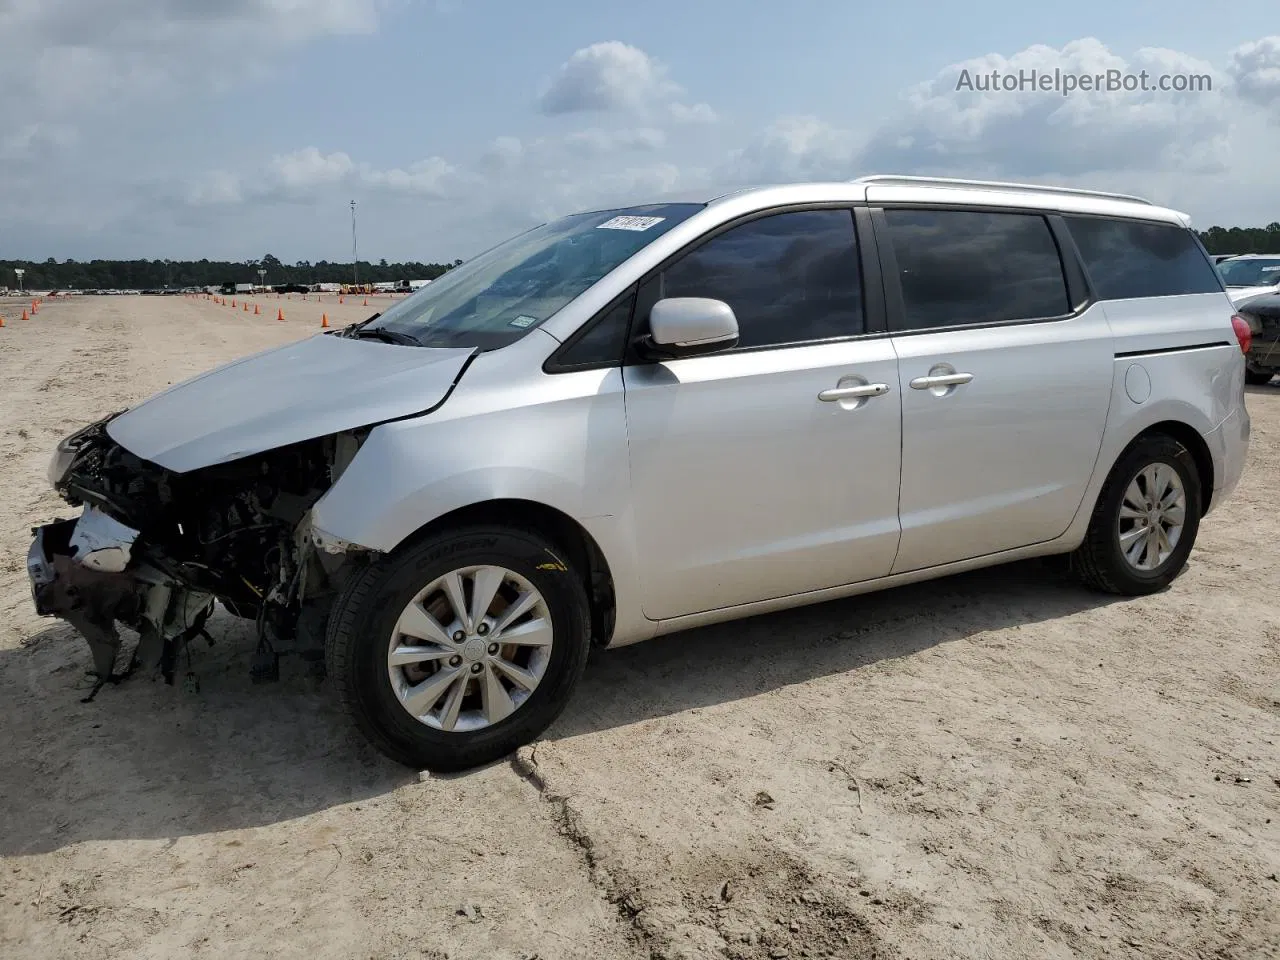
<point x="883" y="179"/>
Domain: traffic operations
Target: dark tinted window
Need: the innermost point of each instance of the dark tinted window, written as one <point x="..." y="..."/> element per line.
<point x="790" y="277"/>
<point x="601" y="344"/>
<point x="1127" y="259"/>
<point x="959" y="267"/>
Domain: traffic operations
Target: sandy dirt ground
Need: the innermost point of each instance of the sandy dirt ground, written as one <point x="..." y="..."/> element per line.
<point x="999" y="765"/>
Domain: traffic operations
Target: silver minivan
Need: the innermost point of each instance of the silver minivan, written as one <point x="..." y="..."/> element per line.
<point x="633" y="421"/>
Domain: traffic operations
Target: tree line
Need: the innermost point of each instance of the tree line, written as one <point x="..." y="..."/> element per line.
<point x="1242" y="239"/>
<point x="160" y="274"/>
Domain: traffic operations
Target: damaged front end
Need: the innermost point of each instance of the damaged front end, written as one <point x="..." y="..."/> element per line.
<point x="153" y="550"/>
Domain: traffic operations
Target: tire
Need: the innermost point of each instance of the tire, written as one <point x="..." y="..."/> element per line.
<point x="368" y="612"/>
<point x="1257" y="378"/>
<point x="1100" y="561"/>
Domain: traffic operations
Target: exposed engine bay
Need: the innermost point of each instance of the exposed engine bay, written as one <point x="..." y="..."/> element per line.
<point x="155" y="550"/>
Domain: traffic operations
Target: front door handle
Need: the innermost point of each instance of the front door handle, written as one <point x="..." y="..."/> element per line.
<point x="854" y="393"/>
<point x="941" y="380"/>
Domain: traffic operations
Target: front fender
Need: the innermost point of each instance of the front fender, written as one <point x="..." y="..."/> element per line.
<point x="567" y="452"/>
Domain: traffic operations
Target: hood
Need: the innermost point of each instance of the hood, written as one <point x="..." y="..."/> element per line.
<point x="315" y="387"/>
<point x="1239" y="295"/>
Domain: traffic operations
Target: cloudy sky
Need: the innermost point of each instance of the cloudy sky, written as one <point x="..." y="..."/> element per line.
<point x="234" y="128"/>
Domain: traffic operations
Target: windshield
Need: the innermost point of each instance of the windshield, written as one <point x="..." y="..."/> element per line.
<point x="497" y="297"/>
<point x="1262" y="272"/>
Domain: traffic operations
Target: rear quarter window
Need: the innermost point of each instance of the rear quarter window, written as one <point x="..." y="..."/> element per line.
<point x="1127" y="259"/>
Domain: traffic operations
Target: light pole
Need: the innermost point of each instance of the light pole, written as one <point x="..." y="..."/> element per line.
<point x="19" y="271"/>
<point x="355" y="258"/>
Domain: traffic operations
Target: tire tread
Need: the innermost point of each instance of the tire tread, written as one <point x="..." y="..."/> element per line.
<point x="1095" y="562"/>
<point x="343" y="638"/>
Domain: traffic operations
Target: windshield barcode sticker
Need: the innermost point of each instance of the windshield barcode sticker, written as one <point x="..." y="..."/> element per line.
<point x="630" y="223"/>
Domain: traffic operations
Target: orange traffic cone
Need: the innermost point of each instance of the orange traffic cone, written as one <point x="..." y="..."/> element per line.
<point x="256" y="311"/>
<point x="280" y="314"/>
<point x="324" y="319"/>
<point x="35" y="307"/>
<point x="366" y="301"/>
<point x="246" y="307"/>
<point x="1" y="321"/>
<point x="24" y="315"/>
<point x="339" y="301"/>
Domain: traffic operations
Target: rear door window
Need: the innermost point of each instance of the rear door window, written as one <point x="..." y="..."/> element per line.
<point x="1129" y="258"/>
<point x="961" y="268"/>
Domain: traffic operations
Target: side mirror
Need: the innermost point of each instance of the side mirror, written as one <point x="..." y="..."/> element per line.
<point x="689" y="327"/>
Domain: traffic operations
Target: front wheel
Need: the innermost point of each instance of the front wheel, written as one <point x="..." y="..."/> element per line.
<point x="1145" y="521"/>
<point x="462" y="648"/>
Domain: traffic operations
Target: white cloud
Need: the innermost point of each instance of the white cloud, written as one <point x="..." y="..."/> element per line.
<point x="214" y="189"/>
<point x="308" y="174"/>
<point x="793" y="149"/>
<point x="64" y="59"/>
<point x="1255" y="68"/>
<point x="424" y="178"/>
<point x="692" y="113"/>
<point x="608" y="141"/>
<point x="309" y="168"/>
<point x="1030" y="132"/>
<point x="610" y="75"/>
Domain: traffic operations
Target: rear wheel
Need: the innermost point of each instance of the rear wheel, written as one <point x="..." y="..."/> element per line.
<point x="1145" y="521"/>
<point x="1257" y="378"/>
<point x="462" y="648"/>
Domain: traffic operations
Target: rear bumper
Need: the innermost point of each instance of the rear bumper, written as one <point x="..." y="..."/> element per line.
<point x="1264" y="354"/>
<point x="1229" y="446"/>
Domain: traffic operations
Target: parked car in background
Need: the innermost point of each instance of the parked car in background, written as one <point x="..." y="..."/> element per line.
<point x="1250" y="275"/>
<point x="292" y="288"/>
<point x="1262" y="314"/>
<point x="630" y="422"/>
<point x="1219" y="257"/>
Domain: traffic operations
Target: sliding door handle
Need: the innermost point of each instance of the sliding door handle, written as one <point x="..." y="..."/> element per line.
<point x="941" y="380"/>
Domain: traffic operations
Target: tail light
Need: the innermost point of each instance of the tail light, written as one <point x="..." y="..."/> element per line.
<point x="1243" y="333"/>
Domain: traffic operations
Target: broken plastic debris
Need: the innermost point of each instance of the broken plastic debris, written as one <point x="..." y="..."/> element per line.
<point x="102" y="543"/>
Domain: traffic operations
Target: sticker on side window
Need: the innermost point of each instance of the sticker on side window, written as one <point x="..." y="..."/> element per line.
<point x="630" y="223"/>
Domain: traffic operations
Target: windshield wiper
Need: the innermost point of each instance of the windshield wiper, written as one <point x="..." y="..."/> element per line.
<point x="386" y="336"/>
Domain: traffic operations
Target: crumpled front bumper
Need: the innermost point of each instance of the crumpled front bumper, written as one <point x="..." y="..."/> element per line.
<point x="80" y="574"/>
<point x="40" y="568"/>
